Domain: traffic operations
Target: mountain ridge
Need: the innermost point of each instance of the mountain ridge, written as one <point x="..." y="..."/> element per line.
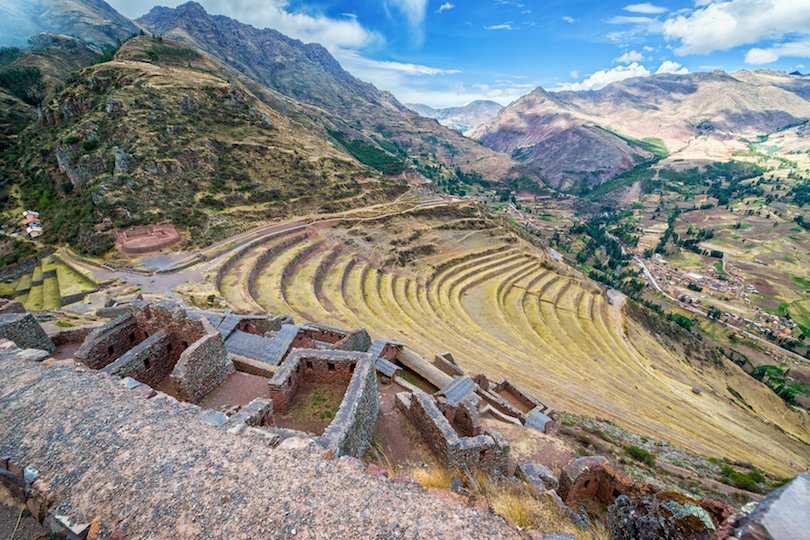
<point x="462" y="119"/>
<point x="94" y="21"/>
<point x="714" y="108"/>
<point x="331" y="96"/>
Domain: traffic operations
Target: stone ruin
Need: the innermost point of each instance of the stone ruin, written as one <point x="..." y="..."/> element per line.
<point x="353" y="425"/>
<point x="192" y="354"/>
<point x="163" y="350"/>
<point x="487" y="451"/>
<point x="155" y="342"/>
<point x="147" y="238"/>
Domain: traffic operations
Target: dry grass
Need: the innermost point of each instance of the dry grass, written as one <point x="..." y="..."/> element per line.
<point x="435" y="477"/>
<point x="378" y="454"/>
<point x="522" y="507"/>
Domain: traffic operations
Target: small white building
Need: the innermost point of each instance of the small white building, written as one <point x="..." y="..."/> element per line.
<point x="31" y="223"/>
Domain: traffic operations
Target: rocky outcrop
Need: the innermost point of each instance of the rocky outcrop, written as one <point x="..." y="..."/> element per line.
<point x="664" y="515"/>
<point x="593" y="477"/>
<point x="784" y="513"/>
<point x="92" y="20"/>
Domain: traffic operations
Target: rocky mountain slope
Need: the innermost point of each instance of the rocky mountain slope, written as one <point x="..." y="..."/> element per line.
<point x="161" y="132"/>
<point x="461" y="119"/>
<point x="93" y="21"/>
<point x="578" y="139"/>
<point x="323" y="91"/>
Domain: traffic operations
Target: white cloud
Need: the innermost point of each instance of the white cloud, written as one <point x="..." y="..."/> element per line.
<point x="667" y="66"/>
<point x="724" y="24"/>
<point x="414" y="11"/>
<point x="647" y="48"/>
<point x="624" y="19"/>
<point x="311" y="28"/>
<point x="574" y="74"/>
<point x="646" y="8"/>
<point x="757" y="57"/>
<point x="604" y="77"/>
<point x="569" y="20"/>
<point x="447" y="6"/>
<point x="359" y="62"/>
<point x="504" y="26"/>
<point x="630" y="57"/>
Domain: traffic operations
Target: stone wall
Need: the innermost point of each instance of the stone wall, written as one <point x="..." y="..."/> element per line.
<point x="77" y="334"/>
<point x="110" y="341"/>
<point x="311" y="365"/>
<point x="350" y="432"/>
<point x="260" y="325"/>
<point x="11" y="306"/>
<point x="24" y="330"/>
<point x="359" y="340"/>
<point x="152" y="341"/>
<point x="464" y="417"/>
<point x="203" y="366"/>
<point x="488" y="452"/>
<point x="521" y="396"/>
<point x="149" y="362"/>
<point x="257" y="413"/>
<point x="447" y="364"/>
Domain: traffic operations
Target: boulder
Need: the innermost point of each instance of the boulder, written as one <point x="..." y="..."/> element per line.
<point x="784" y="513"/>
<point x="667" y="515"/>
<point x="594" y="478"/>
<point x="537" y="475"/>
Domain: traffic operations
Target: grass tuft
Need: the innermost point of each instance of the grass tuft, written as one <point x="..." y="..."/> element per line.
<point x="436" y="477"/>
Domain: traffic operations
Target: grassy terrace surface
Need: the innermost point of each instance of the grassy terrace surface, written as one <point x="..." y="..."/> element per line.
<point x="502" y="308"/>
<point x="48" y="283"/>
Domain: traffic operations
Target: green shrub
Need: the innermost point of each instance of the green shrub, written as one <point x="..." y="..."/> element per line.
<point x="639" y="454"/>
<point x="24" y="83"/>
<point x="370" y="155"/>
<point x="89" y="146"/>
<point x="748" y="481"/>
<point x="9" y="54"/>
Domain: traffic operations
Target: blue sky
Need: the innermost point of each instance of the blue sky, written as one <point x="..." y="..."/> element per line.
<point x="450" y="52"/>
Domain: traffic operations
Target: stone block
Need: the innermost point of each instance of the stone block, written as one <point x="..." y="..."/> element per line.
<point x="784" y="513"/>
<point x="537" y="475"/>
<point x="24" y="330"/>
<point x="214" y="418"/>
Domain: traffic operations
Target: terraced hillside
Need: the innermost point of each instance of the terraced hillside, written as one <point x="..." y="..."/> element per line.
<point x="49" y="285"/>
<point x="449" y="278"/>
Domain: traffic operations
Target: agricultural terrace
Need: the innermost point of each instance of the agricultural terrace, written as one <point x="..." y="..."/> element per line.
<point x="452" y="278"/>
<point x="51" y="284"/>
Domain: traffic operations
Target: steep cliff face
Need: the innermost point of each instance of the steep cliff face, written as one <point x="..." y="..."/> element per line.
<point x="576" y="139"/>
<point x="323" y="91"/>
<point x="93" y="21"/>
